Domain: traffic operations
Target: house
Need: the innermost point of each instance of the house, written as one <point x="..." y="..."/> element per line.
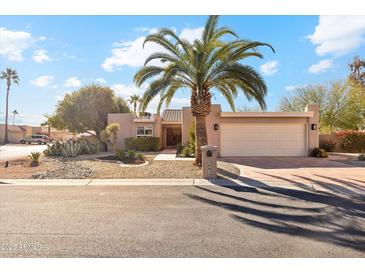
<point x="234" y="133"/>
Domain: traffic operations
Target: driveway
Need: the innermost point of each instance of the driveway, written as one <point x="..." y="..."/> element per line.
<point x="336" y="174"/>
<point x="19" y="151"/>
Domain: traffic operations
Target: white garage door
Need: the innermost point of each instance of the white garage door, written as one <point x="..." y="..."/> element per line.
<point x="263" y="139"/>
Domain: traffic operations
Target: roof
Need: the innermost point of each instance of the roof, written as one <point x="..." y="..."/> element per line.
<point x="172" y="115"/>
<point x="268" y="114"/>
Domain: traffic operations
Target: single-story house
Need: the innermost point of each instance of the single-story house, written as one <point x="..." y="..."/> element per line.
<point x="234" y="133"/>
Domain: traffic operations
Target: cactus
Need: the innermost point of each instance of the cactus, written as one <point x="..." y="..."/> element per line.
<point x="71" y="149"/>
<point x="53" y="149"/>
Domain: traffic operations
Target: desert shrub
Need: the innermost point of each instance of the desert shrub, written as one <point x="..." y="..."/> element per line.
<point x="352" y="141"/>
<point x="140" y="156"/>
<point x="187" y="151"/>
<point x="361" y="157"/>
<point x="131" y="155"/>
<point x="328" y="145"/>
<point x="71" y="148"/>
<point x="319" y="153"/>
<point x="120" y="154"/>
<point x="34" y="158"/>
<point x="143" y="143"/>
<point x="179" y="148"/>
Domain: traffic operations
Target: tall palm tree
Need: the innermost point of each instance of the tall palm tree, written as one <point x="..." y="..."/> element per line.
<point x="14" y="112"/>
<point x="207" y="64"/>
<point x="134" y="100"/>
<point x="10" y="76"/>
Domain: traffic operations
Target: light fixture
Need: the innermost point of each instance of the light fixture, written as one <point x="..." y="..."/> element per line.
<point x="314" y="126"/>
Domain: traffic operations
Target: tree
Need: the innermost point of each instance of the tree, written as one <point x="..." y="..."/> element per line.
<point x="134" y="100"/>
<point x="14" y="112"/>
<point x="10" y="76"/>
<point x="206" y="64"/>
<point x="111" y="132"/>
<point x="357" y="71"/>
<point x="340" y="106"/>
<point x="86" y="110"/>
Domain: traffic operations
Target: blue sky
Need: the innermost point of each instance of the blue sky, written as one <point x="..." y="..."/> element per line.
<point x="57" y="54"/>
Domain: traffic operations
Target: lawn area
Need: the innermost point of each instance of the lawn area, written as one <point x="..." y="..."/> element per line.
<point x="81" y="168"/>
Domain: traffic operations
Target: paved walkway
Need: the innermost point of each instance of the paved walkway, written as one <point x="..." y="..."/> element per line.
<point x="170" y="155"/>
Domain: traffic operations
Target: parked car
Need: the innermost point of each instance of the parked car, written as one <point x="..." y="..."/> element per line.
<point x="39" y="139"/>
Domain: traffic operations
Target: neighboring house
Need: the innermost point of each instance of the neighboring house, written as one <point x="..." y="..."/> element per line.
<point x="234" y="133"/>
<point x="18" y="132"/>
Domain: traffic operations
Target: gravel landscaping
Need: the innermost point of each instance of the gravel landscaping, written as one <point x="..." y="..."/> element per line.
<point x="81" y="168"/>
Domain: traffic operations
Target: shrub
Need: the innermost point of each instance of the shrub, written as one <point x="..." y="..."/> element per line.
<point x="328" y="145"/>
<point x="143" y="143"/>
<point x="352" y="141"/>
<point x="140" y="156"/>
<point x="128" y="155"/>
<point x="120" y="154"/>
<point x="361" y="157"/>
<point x="179" y="148"/>
<point x="34" y="157"/>
<point x="187" y="151"/>
<point x="71" y="148"/>
<point x="319" y="153"/>
<point x="131" y="155"/>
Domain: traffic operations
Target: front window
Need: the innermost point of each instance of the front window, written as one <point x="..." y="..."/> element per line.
<point x="144" y="131"/>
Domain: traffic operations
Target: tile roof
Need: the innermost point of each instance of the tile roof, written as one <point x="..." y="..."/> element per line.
<point x="172" y="115"/>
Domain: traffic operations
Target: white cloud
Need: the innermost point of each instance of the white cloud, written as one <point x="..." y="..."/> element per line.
<point x="132" y="53"/>
<point x="191" y="34"/>
<point x="13" y="43"/>
<point x="321" y="66"/>
<point x="294" y="87"/>
<point x="72" y="82"/>
<point x="42" y="81"/>
<point x="338" y="35"/>
<point x="41" y="56"/>
<point x="125" y="91"/>
<point x="54" y="86"/>
<point x="100" y="81"/>
<point x="270" y="67"/>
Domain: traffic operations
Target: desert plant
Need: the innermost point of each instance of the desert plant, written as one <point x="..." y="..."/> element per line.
<point x="361" y="157"/>
<point x="140" y="156"/>
<point x="143" y="143"/>
<point x="352" y="141"/>
<point x="328" y="145"/>
<point x="34" y="158"/>
<point x="187" y="151"/>
<point x="319" y="153"/>
<point x="71" y="148"/>
<point x="53" y="149"/>
<point x="131" y="155"/>
<point x="120" y="154"/>
<point x="179" y="148"/>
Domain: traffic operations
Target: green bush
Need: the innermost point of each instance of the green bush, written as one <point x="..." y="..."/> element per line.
<point x="319" y="153"/>
<point x="352" y="141"/>
<point x="140" y="156"/>
<point x="142" y="143"/>
<point x="120" y="154"/>
<point x="328" y="145"/>
<point x="361" y="157"/>
<point x="128" y="155"/>
<point x="187" y="151"/>
<point x="34" y="158"/>
<point x="179" y="148"/>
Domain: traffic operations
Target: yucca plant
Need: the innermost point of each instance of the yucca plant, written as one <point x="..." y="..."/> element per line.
<point x="34" y="158"/>
<point x="209" y="63"/>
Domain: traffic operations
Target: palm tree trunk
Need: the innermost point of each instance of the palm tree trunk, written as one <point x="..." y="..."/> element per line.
<point x="49" y="131"/>
<point x="201" y="138"/>
<point x="6" y="140"/>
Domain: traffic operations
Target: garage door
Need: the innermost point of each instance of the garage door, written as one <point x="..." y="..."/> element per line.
<point x="263" y="139"/>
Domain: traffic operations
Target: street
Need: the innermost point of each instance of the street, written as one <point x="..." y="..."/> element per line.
<point x="178" y="221"/>
<point x="18" y="151"/>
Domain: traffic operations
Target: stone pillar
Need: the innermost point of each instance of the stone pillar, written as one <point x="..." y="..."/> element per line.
<point x="209" y="159"/>
<point x="313" y="127"/>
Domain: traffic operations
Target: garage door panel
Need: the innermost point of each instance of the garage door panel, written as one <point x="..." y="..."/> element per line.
<point x="263" y="139"/>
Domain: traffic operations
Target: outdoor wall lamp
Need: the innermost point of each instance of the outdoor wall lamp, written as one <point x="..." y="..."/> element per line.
<point x="314" y="126"/>
<point x="215" y="126"/>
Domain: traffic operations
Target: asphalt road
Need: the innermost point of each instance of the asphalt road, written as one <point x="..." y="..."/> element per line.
<point x="178" y="221"/>
<point x="19" y="151"/>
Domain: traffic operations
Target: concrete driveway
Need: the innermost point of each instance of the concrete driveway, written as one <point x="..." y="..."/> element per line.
<point x="19" y="151"/>
<point x="336" y="174"/>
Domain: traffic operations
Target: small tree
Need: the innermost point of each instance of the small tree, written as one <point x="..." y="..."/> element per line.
<point x="86" y="110"/>
<point x="111" y="133"/>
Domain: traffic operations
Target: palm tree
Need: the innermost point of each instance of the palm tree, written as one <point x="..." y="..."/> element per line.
<point x="11" y="76"/>
<point x="207" y="63"/>
<point x="134" y="100"/>
<point x="14" y="112"/>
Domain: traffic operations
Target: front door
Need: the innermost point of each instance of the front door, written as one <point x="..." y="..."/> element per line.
<point x="173" y="136"/>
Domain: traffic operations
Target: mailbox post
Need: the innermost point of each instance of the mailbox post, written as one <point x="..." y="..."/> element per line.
<point x="209" y="161"/>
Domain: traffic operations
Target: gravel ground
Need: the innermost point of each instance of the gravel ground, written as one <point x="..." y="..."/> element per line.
<point x="81" y="168"/>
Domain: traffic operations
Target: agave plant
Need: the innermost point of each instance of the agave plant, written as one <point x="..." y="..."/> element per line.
<point x="34" y="157"/>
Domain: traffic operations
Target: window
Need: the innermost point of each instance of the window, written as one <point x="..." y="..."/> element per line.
<point x="144" y="131"/>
